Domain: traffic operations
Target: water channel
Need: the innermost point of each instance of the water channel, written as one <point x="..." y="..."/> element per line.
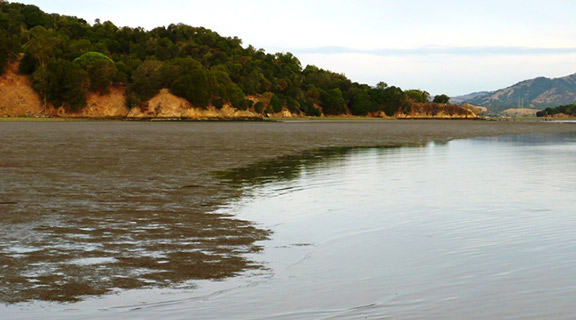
<point x="469" y="229"/>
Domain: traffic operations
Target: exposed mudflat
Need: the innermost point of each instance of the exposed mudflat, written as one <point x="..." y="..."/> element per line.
<point x="89" y="208"/>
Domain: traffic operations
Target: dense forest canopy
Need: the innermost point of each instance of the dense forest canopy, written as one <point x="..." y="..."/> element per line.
<point x="66" y="57"/>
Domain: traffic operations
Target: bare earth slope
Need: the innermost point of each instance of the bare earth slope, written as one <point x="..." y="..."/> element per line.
<point x="17" y="98"/>
<point x="111" y="105"/>
<point x="167" y="105"/>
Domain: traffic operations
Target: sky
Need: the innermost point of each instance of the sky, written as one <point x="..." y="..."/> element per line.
<point x="453" y="47"/>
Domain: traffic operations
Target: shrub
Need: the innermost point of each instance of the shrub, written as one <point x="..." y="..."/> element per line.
<point x="276" y="104"/>
<point x="64" y="84"/>
<point x="101" y="70"/>
<point x="259" y="107"/>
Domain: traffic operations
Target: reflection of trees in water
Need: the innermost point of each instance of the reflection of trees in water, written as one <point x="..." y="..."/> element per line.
<point x="536" y="139"/>
<point x="150" y="237"/>
<point x="291" y="167"/>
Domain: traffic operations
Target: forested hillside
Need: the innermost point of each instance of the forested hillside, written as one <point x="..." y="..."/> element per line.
<point x="66" y="58"/>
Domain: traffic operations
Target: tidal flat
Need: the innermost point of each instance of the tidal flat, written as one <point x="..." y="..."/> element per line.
<point x="94" y="207"/>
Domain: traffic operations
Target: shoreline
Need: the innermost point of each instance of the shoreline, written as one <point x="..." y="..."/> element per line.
<point x="268" y="119"/>
<point x="273" y="119"/>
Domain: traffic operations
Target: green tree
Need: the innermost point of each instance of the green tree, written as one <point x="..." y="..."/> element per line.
<point x="186" y="78"/>
<point x="309" y="109"/>
<point x="293" y="105"/>
<point x="418" y="95"/>
<point x="40" y="84"/>
<point x="442" y="98"/>
<point x="9" y="48"/>
<point x="276" y="104"/>
<point x="101" y="70"/>
<point x="259" y="107"/>
<point x="388" y="99"/>
<point x="360" y="102"/>
<point x="178" y="67"/>
<point x="332" y="102"/>
<point x="194" y="87"/>
<point x="325" y="80"/>
<point x="41" y="43"/>
<point x="33" y="16"/>
<point x="220" y="84"/>
<point x="252" y="83"/>
<point x="381" y="85"/>
<point x="238" y="98"/>
<point x="146" y="82"/>
<point x="79" y="47"/>
<point x="66" y="84"/>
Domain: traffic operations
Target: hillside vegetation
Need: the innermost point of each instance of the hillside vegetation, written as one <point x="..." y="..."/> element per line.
<point x="560" y="111"/>
<point x="538" y="93"/>
<point x="67" y="60"/>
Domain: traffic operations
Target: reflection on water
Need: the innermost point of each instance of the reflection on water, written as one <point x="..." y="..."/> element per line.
<point x="289" y="167"/>
<point x="475" y="229"/>
<point x="471" y="229"/>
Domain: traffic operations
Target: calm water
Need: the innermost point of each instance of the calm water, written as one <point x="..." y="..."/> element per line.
<point x="471" y="229"/>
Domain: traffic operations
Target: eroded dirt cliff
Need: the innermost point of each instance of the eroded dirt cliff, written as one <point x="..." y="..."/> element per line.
<point x="17" y="98"/>
<point x="168" y="106"/>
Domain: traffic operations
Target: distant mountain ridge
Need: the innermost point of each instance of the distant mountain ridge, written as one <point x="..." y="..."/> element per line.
<point x="538" y="93"/>
<point x="467" y="97"/>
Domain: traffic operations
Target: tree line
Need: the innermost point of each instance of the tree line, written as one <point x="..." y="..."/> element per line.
<point x="66" y="58"/>
<point x="569" y="110"/>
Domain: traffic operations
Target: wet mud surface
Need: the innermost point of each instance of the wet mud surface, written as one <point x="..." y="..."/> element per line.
<point x="90" y="208"/>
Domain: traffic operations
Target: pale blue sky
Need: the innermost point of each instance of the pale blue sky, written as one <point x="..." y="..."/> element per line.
<point x="443" y="46"/>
